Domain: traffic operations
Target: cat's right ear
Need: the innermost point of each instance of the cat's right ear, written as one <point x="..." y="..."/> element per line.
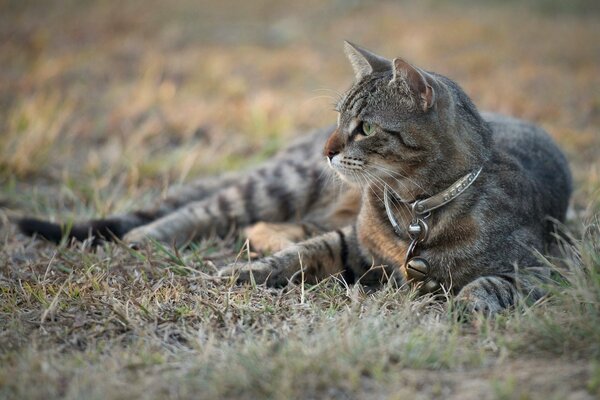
<point x="416" y="80"/>
<point x="364" y="62"/>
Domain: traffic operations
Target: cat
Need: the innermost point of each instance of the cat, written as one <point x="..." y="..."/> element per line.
<point x="436" y="195"/>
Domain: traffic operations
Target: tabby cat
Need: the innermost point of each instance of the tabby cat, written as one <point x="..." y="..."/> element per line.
<point x="436" y="195"/>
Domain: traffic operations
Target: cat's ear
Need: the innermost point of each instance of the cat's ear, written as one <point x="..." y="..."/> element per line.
<point x="416" y="80"/>
<point x="364" y="62"/>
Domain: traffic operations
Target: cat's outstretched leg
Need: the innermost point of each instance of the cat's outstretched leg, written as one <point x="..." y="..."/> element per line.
<point x="332" y="253"/>
<point x="307" y="149"/>
<point x="118" y="225"/>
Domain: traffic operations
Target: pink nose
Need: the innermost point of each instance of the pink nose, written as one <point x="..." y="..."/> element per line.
<point x="334" y="145"/>
<point x="332" y="153"/>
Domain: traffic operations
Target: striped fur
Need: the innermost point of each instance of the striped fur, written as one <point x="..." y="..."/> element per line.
<point x="400" y="127"/>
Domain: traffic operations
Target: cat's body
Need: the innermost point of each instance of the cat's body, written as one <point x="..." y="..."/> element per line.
<point x="414" y="133"/>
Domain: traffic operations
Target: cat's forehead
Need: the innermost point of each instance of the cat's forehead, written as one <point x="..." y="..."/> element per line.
<point x="375" y="94"/>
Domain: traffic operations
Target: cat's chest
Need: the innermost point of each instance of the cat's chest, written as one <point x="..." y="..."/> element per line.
<point x="377" y="237"/>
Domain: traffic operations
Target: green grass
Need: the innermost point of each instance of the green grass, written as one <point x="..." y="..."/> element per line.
<point x="103" y="106"/>
<point x="156" y="323"/>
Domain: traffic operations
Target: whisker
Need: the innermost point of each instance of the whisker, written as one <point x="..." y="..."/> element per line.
<point x="427" y="192"/>
<point x="397" y="181"/>
<point x="368" y="182"/>
<point x="369" y="178"/>
<point x="336" y="99"/>
<point x="321" y="97"/>
<point x="394" y="200"/>
<point x="390" y="172"/>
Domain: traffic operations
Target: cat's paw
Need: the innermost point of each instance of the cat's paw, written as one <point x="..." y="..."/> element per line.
<point x="477" y="297"/>
<point x="146" y="234"/>
<point x="256" y="271"/>
<point x="271" y="238"/>
<point x="136" y="238"/>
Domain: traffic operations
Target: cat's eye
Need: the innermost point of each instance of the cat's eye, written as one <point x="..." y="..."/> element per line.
<point x="367" y="128"/>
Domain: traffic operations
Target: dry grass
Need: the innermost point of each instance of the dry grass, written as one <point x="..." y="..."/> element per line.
<point x="104" y="105"/>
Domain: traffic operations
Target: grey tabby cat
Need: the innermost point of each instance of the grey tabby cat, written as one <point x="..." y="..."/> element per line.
<point x="437" y="195"/>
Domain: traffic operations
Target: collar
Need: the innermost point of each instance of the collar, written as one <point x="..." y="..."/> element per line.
<point x="421" y="208"/>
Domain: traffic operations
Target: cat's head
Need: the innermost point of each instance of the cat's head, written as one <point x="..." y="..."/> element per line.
<point x="402" y="126"/>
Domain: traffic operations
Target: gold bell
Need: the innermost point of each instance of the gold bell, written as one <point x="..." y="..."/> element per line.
<point x="417" y="269"/>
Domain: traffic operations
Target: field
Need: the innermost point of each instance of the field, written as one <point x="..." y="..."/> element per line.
<point x="103" y="105"/>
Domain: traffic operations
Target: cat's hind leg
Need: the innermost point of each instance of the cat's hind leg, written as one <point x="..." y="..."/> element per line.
<point x="284" y="190"/>
<point x="117" y="226"/>
<point x="160" y="220"/>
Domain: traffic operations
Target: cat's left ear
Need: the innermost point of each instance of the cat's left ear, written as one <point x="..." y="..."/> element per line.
<point x="416" y="80"/>
<point x="363" y="61"/>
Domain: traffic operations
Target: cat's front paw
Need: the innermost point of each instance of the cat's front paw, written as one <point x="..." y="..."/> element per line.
<point x="481" y="297"/>
<point x="256" y="271"/>
<point x="272" y="237"/>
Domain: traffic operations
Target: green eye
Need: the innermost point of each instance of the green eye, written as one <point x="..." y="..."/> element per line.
<point x="367" y="128"/>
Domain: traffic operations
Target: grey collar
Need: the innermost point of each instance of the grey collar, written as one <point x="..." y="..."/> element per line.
<point x="420" y="209"/>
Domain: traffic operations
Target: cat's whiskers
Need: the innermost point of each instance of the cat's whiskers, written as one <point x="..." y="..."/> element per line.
<point x="368" y="183"/>
<point x="337" y="93"/>
<point x="356" y="171"/>
<point x="399" y="182"/>
<point x="389" y="186"/>
<point x="402" y="175"/>
<point x="341" y="183"/>
<point x="333" y="178"/>
<point x="331" y="174"/>
<point x="396" y="199"/>
<point x="389" y="173"/>
<point x="336" y="99"/>
<point x="321" y="96"/>
<point x="372" y="180"/>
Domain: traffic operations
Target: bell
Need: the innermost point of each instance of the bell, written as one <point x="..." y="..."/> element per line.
<point x="414" y="230"/>
<point x="417" y="268"/>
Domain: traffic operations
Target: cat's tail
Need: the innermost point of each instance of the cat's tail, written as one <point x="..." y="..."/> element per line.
<point x="98" y="230"/>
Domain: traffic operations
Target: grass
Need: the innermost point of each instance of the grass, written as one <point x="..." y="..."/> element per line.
<point x="104" y="107"/>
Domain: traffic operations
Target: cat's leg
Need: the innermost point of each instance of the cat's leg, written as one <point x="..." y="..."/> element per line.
<point x="117" y="226"/>
<point x="305" y="149"/>
<point x="271" y="237"/>
<point x="332" y="253"/>
<point x="492" y="294"/>
<point x="197" y="190"/>
<point x="282" y="190"/>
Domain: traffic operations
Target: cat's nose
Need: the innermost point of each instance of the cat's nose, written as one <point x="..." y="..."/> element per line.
<point x="332" y="153"/>
<point x="334" y="145"/>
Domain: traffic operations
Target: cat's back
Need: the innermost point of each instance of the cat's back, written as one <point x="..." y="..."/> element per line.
<point x="539" y="158"/>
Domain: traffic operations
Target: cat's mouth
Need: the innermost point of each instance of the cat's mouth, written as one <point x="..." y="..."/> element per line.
<point x="363" y="173"/>
<point x="350" y="169"/>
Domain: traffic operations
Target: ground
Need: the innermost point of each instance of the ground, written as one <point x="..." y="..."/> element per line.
<point x="103" y="105"/>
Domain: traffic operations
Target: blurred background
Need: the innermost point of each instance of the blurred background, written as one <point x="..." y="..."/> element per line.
<point x="104" y="104"/>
